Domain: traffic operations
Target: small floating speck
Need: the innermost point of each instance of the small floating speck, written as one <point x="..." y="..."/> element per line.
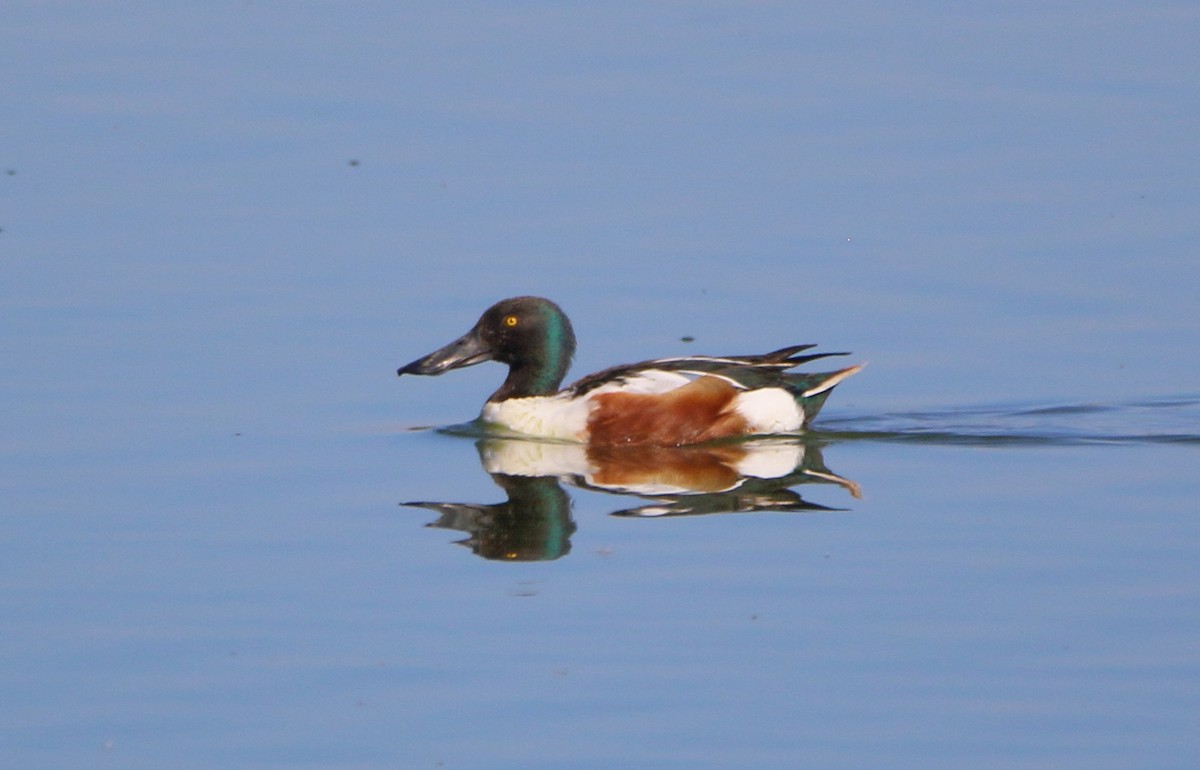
<point x="687" y="338"/>
<point x="525" y="588"/>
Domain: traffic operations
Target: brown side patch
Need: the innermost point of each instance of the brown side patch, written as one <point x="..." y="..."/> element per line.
<point x="699" y="469"/>
<point x="697" y="412"/>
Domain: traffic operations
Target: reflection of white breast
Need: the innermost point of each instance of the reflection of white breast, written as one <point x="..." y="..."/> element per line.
<point x="512" y="457"/>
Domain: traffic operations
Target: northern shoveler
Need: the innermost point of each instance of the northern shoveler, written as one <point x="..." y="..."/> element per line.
<point x="665" y="402"/>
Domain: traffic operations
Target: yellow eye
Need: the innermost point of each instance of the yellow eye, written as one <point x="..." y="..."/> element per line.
<point x="510" y="320"/>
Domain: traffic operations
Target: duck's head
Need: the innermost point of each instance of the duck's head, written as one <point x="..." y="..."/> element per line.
<point x="530" y="334"/>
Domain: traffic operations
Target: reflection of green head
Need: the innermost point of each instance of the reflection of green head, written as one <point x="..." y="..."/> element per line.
<point x="537" y="523"/>
<point x="533" y="524"/>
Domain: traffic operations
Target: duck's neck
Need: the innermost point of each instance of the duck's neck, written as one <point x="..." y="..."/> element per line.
<point x="540" y="372"/>
<point x="533" y="378"/>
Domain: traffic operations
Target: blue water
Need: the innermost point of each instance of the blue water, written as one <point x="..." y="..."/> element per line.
<point x="223" y="227"/>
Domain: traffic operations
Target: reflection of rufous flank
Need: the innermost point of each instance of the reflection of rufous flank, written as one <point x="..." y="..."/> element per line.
<point x="711" y="469"/>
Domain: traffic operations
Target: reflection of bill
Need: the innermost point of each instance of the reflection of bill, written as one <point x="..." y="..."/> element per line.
<point x="535" y="522"/>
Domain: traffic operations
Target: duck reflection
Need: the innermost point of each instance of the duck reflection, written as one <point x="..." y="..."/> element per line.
<point x="535" y="523"/>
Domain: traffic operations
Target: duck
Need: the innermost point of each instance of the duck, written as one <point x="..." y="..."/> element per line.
<point x="679" y="401"/>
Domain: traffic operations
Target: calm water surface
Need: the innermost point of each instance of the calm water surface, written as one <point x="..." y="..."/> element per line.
<point x="223" y="227"/>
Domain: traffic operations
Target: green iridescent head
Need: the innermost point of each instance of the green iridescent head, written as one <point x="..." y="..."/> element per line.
<point x="530" y="334"/>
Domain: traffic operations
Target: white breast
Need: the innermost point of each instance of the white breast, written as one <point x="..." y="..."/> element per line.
<point x="556" y="417"/>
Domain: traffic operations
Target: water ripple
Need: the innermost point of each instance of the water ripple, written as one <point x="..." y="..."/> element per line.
<point x="1174" y="420"/>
